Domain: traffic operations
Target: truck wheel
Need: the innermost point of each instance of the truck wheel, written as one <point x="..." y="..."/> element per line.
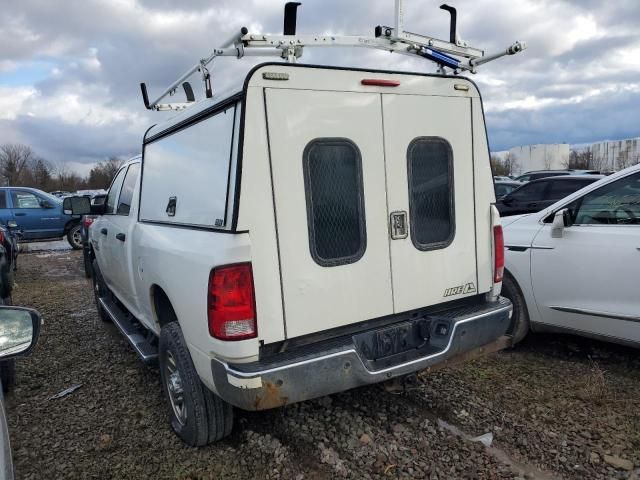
<point x="74" y="237"/>
<point x="88" y="271"/>
<point x="6" y="281"/>
<point x="520" y="318"/>
<point x="8" y="374"/>
<point x="197" y="415"/>
<point x="99" y="290"/>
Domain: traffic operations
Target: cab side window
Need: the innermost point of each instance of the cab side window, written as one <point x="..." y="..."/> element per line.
<point x="113" y="192"/>
<point x="617" y="203"/>
<point x="23" y="199"/>
<point x="126" y="194"/>
<point x="530" y="192"/>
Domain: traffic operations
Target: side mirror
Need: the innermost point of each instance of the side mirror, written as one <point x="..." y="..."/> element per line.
<point x="76" y="205"/>
<point x="12" y="224"/>
<point x="507" y="199"/>
<point x="19" y="330"/>
<point x="98" y="204"/>
<point x="45" y="204"/>
<point x="99" y="200"/>
<point x="561" y="220"/>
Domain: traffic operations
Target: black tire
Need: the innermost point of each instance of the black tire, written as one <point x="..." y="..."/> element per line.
<point x="8" y="374"/>
<point x="520" y="318"/>
<point x="88" y="269"/>
<point x="74" y="237"/>
<point x="206" y="417"/>
<point x="99" y="290"/>
<point x="6" y="281"/>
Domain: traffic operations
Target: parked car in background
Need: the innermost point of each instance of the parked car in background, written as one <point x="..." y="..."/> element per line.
<point x="60" y="193"/>
<point x="8" y="263"/>
<point x="574" y="266"/>
<point x="19" y="330"/>
<point x="39" y="215"/>
<point x="537" y="174"/>
<point x="9" y="237"/>
<point x="501" y="178"/>
<point x="89" y="193"/>
<point x="504" y="187"/>
<point x="539" y="194"/>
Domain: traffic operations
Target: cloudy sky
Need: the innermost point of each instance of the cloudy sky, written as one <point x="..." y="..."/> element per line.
<point x="70" y="70"/>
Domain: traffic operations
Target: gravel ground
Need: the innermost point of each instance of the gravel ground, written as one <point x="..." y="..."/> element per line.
<point x="557" y="407"/>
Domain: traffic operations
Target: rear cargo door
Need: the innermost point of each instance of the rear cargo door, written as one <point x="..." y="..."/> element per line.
<point x="429" y="165"/>
<point x="328" y="174"/>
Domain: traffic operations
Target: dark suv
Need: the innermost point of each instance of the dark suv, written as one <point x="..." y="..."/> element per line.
<point x="537" y="174"/>
<point x="539" y="194"/>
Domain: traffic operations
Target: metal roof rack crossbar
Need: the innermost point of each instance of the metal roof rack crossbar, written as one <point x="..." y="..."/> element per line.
<point x="454" y="54"/>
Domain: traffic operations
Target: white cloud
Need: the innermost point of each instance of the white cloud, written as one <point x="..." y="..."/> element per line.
<point x="13" y="99"/>
<point x="581" y="55"/>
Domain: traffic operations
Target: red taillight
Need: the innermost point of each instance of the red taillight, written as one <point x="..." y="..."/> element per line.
<point x="1" y="236"/>
<point x="231" y="305"/>
<point x="378" y="82"/>
<point x="498" y="245"/>
<point x="87" y="221"/>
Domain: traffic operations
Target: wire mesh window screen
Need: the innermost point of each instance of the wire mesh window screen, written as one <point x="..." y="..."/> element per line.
<point x="335" y="201"/>
<point x="430" y="176"/>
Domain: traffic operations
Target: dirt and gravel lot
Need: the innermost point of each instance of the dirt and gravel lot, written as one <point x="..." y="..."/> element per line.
<point x="557" y="407"/>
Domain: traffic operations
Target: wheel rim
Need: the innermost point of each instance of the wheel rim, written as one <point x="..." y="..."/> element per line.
<point x="173" y="383"/>
<point x="77" y="238"/>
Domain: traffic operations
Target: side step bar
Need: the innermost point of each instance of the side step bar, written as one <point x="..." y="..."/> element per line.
<point x="147" y="352"/>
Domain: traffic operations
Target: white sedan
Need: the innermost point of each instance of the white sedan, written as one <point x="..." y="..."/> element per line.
<point x="575" y="266"/>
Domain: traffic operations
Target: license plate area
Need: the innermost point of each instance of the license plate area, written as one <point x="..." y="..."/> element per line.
<point x="398" y="343"/>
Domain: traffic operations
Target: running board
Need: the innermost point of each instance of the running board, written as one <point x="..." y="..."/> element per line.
<point x="147" y="352"/>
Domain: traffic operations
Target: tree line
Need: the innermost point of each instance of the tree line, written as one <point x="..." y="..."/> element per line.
<point x="20" y="166"/>
<point x="583" y="159"/>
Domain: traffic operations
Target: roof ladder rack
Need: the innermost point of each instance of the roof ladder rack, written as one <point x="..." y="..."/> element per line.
<point x="454" y="54"/>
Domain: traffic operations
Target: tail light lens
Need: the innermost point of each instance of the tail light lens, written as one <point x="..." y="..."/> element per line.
<point x="1" y="236"/>
<point x="87" y="221"/>
<point x="498" y="255"/>
<point x="231" y="305"/>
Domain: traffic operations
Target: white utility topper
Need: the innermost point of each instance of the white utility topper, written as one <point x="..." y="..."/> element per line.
<point x="311" y="230"/>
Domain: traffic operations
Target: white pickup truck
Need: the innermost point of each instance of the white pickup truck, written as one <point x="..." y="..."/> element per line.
<point x="312" y="230"/>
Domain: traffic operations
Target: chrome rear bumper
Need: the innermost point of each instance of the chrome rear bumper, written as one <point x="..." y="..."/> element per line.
<point x="303" y="376"/>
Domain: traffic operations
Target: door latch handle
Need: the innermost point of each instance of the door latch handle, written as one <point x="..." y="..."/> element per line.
<point x="121" y="236"/>
<point x="18" y="214"/>
<point x="103" y="231"/>
<point x="398" y="225"/>
<point x="171" y="206"/>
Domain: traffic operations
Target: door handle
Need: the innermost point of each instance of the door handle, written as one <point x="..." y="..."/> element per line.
<point x="398" y="225"/>
<point x="532" y="205"/>
<point x="20" y="214"/>
<point x="104" y="231"/>
<point x="121" y="236"/>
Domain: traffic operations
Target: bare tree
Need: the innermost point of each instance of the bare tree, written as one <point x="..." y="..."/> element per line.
<point x="497" y="166"/>
<point x="102" y="174"/>
<point x="511" y="163"/>
<point x="14" y="157"/>
<point x="41" y="171"/>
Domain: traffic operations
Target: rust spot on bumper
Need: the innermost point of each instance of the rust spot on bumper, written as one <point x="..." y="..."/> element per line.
<point x="270" y="396"/>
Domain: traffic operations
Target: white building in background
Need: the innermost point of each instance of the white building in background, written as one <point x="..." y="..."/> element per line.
<point x="614" y="155"/>
<point x="552" y="156"/>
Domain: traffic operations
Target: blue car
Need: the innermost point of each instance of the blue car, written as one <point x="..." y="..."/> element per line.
<point x="39" y="215"/>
